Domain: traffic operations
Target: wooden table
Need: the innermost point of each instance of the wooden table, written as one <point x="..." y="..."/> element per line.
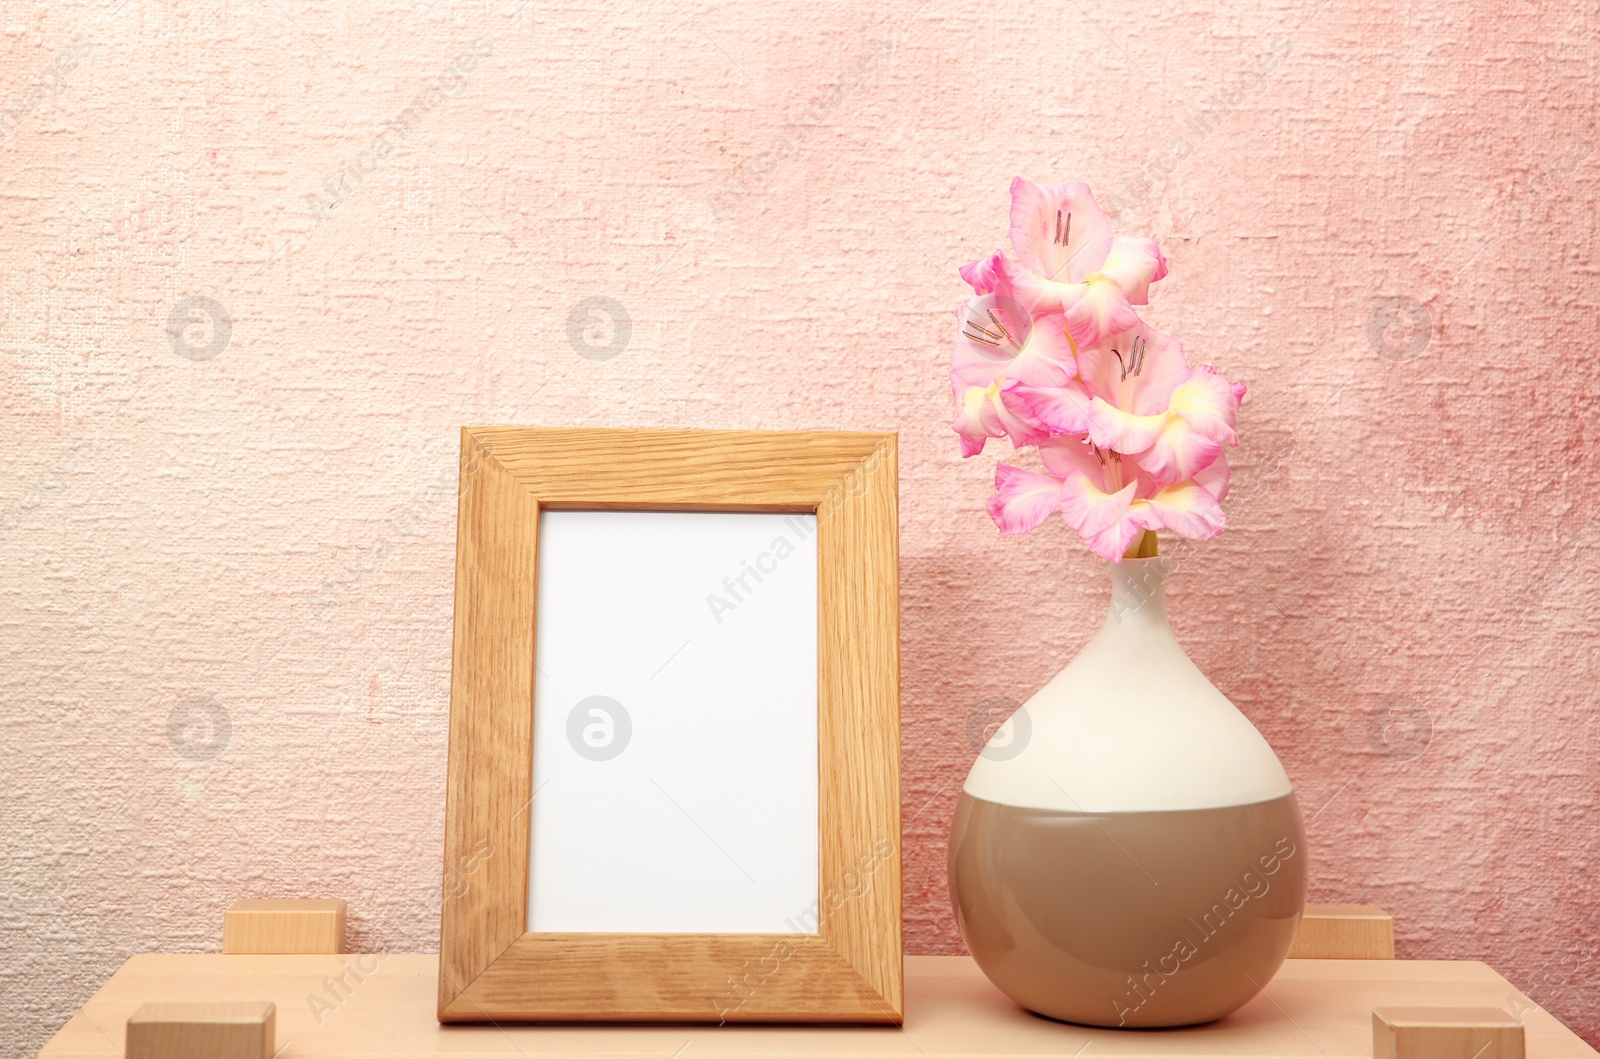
<point x="1313" y="1009"/>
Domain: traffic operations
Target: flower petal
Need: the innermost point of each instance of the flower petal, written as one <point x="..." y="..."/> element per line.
<point x="1043" y="296"/>
<point x="1045" y="358"/>
<point x="980" y="273"/>
<point x="1035" y="293"/>
<point x="1065" y="456"/>
<point x="1213" y="478"/>
<point x="1058" y="230"/>
<point x="1022" y="499"/>
<point x="1179" y="452"/>
<point x="1112" y="542"/>
<point x="1112" y="428"/>
<point x="1134" y="264"/>
<point x="993" y="412"/>
<point x="1162" y="369"/>
<point x="1014" y="415"/>
<point x="975" y="419"/>
<point x="1059" y="409"/>
<point x="1089" y="509"/>
<point x="1102" y="309"/>
<point x="1209" y="404"/>
<point x="1188" y="510"/>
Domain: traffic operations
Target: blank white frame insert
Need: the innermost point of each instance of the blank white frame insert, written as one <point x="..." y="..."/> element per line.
<point x="674" y="723"/>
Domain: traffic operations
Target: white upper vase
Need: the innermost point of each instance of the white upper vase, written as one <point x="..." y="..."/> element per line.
<point x="1130" y="725"/>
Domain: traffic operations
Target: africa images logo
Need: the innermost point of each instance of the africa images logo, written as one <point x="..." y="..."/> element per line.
<point x="1253" y="885"/>
<point x="736" y="588"/>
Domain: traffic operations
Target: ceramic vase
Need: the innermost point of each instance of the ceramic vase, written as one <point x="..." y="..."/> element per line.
<point x="1127" y="850"/>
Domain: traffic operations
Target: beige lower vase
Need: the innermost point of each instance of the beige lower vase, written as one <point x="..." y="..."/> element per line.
<point x="1127" y="850"/>
<point x="1129" y="919"/>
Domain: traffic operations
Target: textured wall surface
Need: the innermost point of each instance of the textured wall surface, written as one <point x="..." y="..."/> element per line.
<point x="227" y="542"/>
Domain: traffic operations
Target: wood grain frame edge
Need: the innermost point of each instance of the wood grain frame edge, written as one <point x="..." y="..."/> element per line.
<point x="881" y="980"/>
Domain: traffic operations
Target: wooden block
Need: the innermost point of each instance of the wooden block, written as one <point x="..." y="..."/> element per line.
<point x="284" y="926"/>
<point x="217" y="1030"/>
<point x="1344" y="932"/>
<point x="1445" y="1033"/>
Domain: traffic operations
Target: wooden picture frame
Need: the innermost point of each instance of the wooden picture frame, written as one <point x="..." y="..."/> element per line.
<point x="491" y="968"/>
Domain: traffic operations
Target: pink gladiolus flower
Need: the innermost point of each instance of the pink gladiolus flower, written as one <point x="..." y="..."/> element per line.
<point x="1069" y="260"/>
<point x="1000" y="340"/>
<point x="1052" y="354"/>
<point x="1107" y="499"/>
<point x="992" y="411"/>
<point x="1144" y="402"/>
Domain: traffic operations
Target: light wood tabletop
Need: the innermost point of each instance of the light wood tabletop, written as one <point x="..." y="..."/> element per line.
<point x="1313" y="1009"/>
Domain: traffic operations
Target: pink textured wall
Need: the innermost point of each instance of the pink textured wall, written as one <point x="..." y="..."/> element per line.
<point x="1379" y="216"/>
